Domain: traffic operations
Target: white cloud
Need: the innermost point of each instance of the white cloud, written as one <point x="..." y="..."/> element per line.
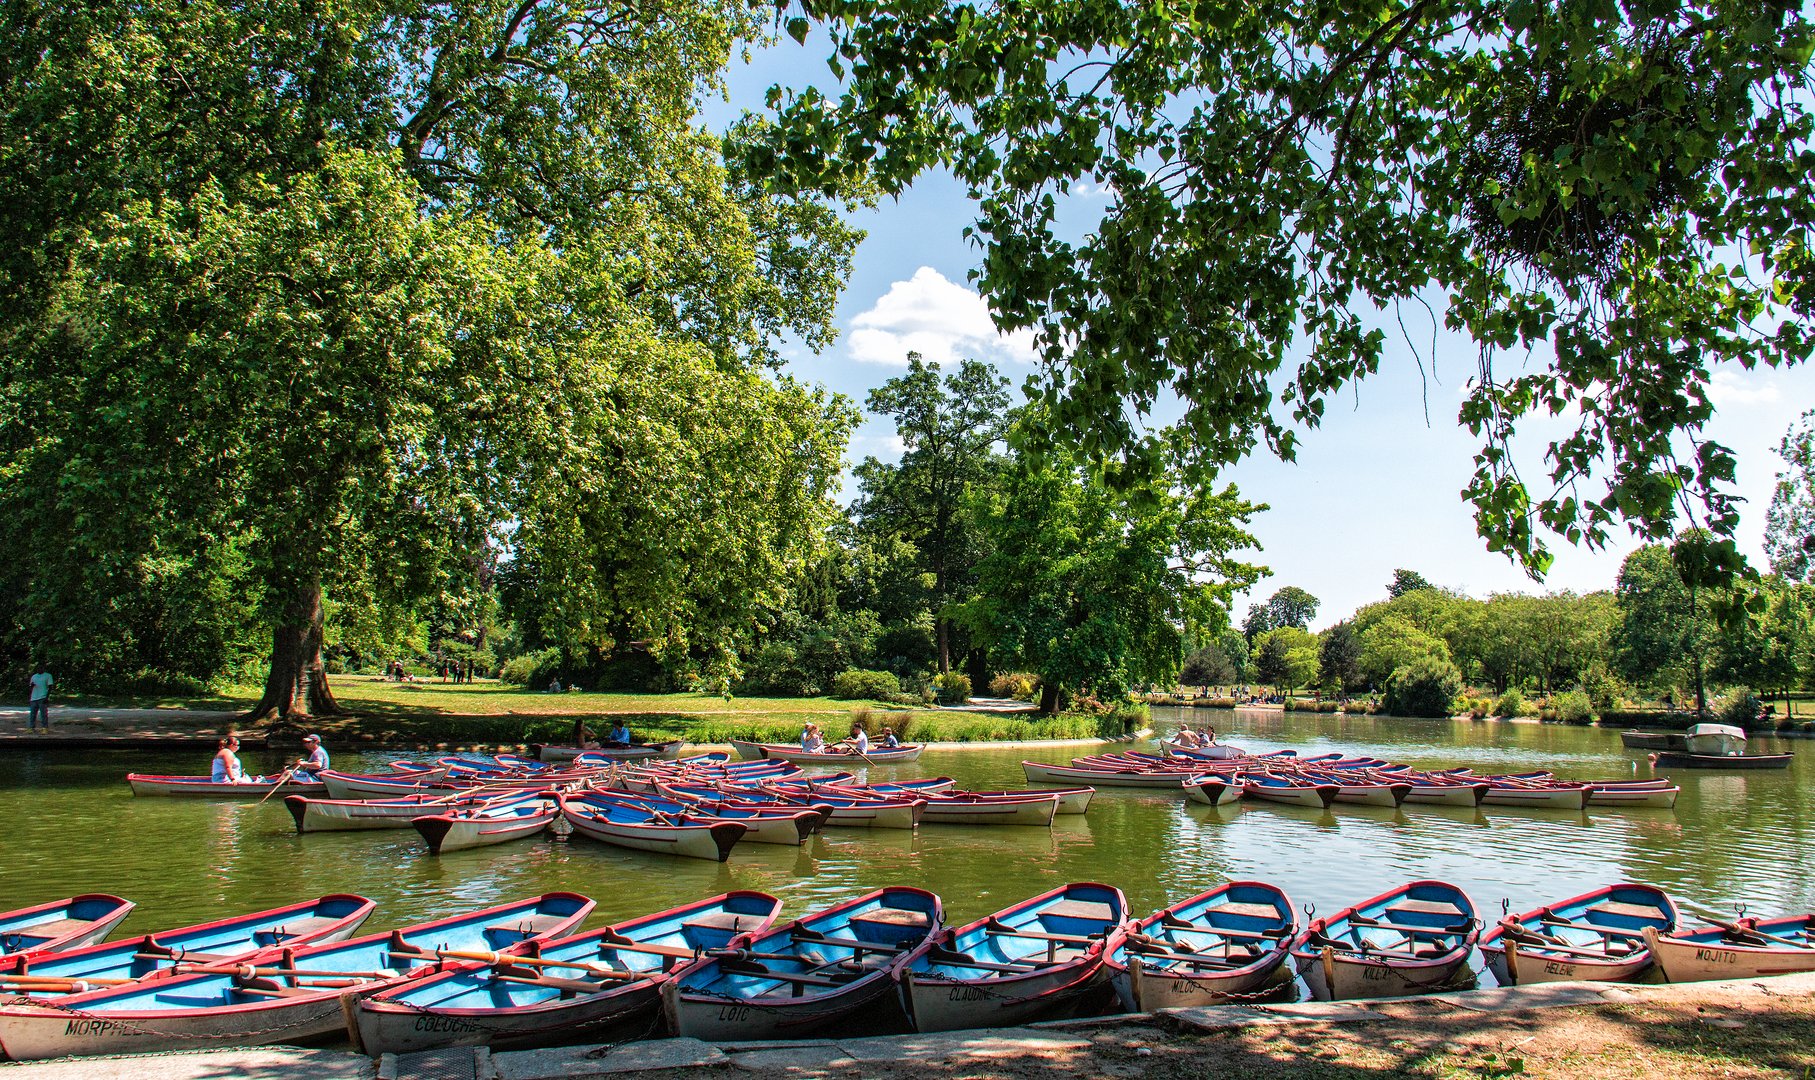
<point x="1730" y="389"/>
<point x="1089" y="189"/>
<point x="937" y="318"/>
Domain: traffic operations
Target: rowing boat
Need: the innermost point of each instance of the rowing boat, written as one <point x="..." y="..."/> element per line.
<point x="1746" y="949"/>
<point x="876" y="755"/>
<point x="1031" y="808"/>
<point x="334" y="917"/>
<point x="1228" y="941"/>
<point x="254" y="788"/>
<point x="69" y="923"/>
<point x="611" y="822"/>
<point x="485" y="824"/>
<point x="341" y="815"/>
<point x="299" y="993"/>
<point x="1019" y="964"/>
<point x="628" y="752"/>
<point x="848" y="809"/>
<point x="1290" y="790"/>
<point x="1212" y="789"/>
<point x="1414" y="939"/>
<point x="601" y="986"/>
<point x="1598" y="937"/>
<point x="1041" y="772"/>
<point x="806" y="975"/>
<point x="789" y="825"/>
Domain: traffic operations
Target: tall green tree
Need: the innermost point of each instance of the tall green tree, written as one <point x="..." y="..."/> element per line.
<point x="1405" y="581"/>
<point x="1290" y="606"/>
<point x="1094" y="587"/>
<point x="1664" y="628"/>
<point x="947" y="428"/>
<point x="359" y="289"/>
<point x="1339" y="658"/>
<point x="1790" y="521"/>
<point x="1620" y="188"/>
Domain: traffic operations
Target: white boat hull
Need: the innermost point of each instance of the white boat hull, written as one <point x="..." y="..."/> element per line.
<point x="1690" y="961"/>
<point x="444" y="833"/>
<point x="939" y="1004"/>
<point x="989" y="812"/>
<point x="1339" y="976"/>
<point x="713" y="842"/>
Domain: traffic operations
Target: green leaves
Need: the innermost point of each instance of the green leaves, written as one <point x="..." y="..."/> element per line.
<point x="1566" y="179"/>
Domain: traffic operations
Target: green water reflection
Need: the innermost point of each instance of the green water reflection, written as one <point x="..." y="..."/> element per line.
<point x="71" y="825"/>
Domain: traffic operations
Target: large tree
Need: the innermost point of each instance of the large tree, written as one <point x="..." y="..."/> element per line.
<point x="1612" y="200"/>
<point x="947" y="428"/>
<point x="357" y="289"/>
<point x="1663" y="626"/>
<point x="1790" y="522"/>
<point x="1098" y="587"/>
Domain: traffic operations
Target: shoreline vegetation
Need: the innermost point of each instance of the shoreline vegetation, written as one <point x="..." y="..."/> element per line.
<point x="380" y="712"/>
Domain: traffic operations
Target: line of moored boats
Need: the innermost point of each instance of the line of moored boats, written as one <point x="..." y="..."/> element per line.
<point x="700" y="807"/>
<point x="1223" y="774"/>
<point x="727" y="968"/>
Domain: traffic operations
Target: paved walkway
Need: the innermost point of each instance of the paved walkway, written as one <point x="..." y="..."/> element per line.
<point x="126" y="729"/>
<point x="1038" y="1050"/>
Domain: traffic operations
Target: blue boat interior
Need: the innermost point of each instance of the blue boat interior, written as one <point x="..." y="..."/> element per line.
<point x="824" y="953"/>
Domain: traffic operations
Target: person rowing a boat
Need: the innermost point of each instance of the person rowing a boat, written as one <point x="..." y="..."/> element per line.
<point x="1187" y="738"/>
<point x="227" y="769"/>
<point x="859" y="742"/>
<point x="313" y="761"/>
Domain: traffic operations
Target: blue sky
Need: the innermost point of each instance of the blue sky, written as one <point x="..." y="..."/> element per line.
<point x="1375" y="488"/>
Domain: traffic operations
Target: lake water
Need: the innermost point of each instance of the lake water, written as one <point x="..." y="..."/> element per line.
<point x="71" y="825"/>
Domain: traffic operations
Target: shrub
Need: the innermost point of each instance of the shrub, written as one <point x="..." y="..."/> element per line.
<point x="952" y="687"/>
<point x="1511" y="703"/>
<point x="533" y="669"/>
<point x="151" y="682"/>
<point x="1425" y="687"/>
<point x="1122" y="721"/>
<point x="1738" y="706"/>
<point x="866" y="685"/>
<point x="1574" y="707"/>
<point x="1019" y="685"/>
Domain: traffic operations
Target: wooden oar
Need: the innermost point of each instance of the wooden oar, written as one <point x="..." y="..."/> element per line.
<point x="281" y="779"/>
<point x="55" y="985"/>
<point x="250" y="971"/>
<point x="1746" y="931"/>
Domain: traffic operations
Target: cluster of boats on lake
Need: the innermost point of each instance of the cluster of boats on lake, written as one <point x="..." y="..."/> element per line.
<point x="726" y="968"/>
<point x="1221" y="774"/>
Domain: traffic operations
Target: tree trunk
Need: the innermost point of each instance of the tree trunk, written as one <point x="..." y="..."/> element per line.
<point x="297" y="687"/>
<point x="1049" y="698"/>
<point x="944" y="633"/>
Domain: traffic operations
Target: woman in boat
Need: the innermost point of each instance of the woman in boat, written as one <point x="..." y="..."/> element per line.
<point x="313" y="761"/>
<point x="811" y="741"/>
<point x="227" y="769"/>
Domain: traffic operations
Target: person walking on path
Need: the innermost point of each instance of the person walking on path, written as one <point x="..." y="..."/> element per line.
<point x="40" y="698"/>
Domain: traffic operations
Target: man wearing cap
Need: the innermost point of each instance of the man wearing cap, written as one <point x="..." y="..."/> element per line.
<point x="313" y="760"/>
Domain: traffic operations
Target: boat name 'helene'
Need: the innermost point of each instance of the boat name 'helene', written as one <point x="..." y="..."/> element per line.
<point x="1717" y="956"/>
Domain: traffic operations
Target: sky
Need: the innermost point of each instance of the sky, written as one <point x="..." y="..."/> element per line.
<point x="1375" y="488"/>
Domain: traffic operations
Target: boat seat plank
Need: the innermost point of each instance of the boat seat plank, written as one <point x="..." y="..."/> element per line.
<point x="1080" y="909"/>
<point x="528" y="925"/>
<point x="721" y="920"/>
<point x="306" y="925"/>
<point x="810" y="937"/>
<point x="893" y="917"/>
<point x="1258" y="911"/>
<point x="1626" y="911"/>
<point x="1425" y="907"/>
<point x="51" y="927"/>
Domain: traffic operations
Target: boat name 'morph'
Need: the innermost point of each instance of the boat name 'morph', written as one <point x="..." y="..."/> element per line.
<point x="1717" y="956"/>
<point x="87" y="1026"/>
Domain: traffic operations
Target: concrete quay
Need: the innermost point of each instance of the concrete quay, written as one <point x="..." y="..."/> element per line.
<point x="1013" y="1050"/>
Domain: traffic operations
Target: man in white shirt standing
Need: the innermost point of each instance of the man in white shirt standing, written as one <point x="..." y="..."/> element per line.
<point x="40" y="699"/>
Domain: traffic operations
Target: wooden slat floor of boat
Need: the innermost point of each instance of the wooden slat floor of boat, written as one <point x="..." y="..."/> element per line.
<point x="1628" y="911"/>
<point x="529" y="924"/>
<point x="721" y="920"/>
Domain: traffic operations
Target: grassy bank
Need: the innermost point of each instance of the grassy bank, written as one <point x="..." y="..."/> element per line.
<point x="488" y="713"/>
